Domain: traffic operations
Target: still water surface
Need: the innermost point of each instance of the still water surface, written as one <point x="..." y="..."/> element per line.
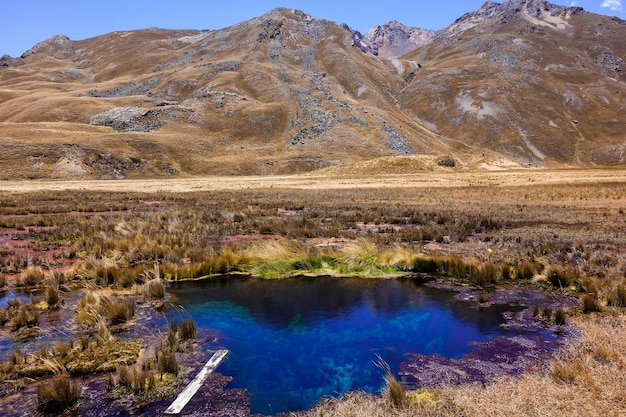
<point x="294" y="341"/>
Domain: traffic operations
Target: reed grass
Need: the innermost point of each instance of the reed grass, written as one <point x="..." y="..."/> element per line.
<point x="59" y="395"/>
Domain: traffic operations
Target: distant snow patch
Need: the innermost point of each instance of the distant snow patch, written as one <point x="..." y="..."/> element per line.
<point x="362" y="89"/>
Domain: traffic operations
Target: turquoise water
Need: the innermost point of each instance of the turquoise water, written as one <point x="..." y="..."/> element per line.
<point x="295" y="341"/>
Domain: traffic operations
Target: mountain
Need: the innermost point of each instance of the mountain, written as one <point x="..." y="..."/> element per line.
<point x="394" y="39"/>
<point x="517" y="83"/>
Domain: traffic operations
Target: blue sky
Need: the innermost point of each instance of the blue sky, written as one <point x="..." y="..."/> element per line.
<point x="26" y="22"/>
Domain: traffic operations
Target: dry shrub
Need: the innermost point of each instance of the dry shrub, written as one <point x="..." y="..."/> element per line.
<point x="58" y="396"/>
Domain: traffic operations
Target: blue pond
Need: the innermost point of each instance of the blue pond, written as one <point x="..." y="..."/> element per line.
<point x="294" y="341"/>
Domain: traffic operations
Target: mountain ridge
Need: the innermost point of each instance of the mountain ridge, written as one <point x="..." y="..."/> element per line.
<point x="285" y="92"/>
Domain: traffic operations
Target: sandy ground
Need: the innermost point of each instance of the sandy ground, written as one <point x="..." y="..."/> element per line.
<point x="312" y="181"/>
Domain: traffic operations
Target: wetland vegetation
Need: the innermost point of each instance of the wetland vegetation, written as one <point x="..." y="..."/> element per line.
<point x="81" y="269"/>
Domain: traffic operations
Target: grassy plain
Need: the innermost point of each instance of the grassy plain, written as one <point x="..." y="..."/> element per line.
<point x="563" y="230"/>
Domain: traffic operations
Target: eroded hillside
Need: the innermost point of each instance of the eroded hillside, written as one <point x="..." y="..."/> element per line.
<point x="524" y="82"/>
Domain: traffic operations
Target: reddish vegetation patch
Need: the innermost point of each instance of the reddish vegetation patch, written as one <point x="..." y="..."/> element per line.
<point x="16" y="243"/>
<point x="68" y="213"/>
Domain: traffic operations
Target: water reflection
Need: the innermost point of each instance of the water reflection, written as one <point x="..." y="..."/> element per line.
<point x="296" y="340"/>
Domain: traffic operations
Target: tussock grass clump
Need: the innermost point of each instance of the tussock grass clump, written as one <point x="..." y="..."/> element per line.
<point x="154" y="289"/>
<point x="362" y="256"/>
<point x="187" y="330"/>
<point x="562" y="277"/>
<point x="617" y="296"/>
<point x="94" y="307"/>
<point x="483" y="297"/>
<point x="167" y="361"/>
<point x="569" y="372"/>
<point x="487" y="274"/>
<point x="52" y="296"/>
<point x="120" y="311"/>
<point x="590" y="304"/>
<point x="425" y="265"/>
<point x="559" y="317"/>
<point x="526" y="270"/>
<point x="394" y="391"/>
<point x="25" y="316"/>
<point x="135" y="379"/>
<point x="58" y="396"/>
<point x="30" y="277"/>
<point x="107" y="275"/>
<point x="506" y="270"/>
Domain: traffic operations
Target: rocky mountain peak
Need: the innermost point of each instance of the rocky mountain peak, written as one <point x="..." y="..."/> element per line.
<point x="537" y="8"/>
<point x="394" y="39"/>
<point x="58" y="46"/>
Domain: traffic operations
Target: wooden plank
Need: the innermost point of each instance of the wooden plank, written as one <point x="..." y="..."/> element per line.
<point x="185" y="396"/>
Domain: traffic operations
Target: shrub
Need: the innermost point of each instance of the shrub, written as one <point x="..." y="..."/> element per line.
<point x="3" y="281"/>
<point x="58" y="396"/>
